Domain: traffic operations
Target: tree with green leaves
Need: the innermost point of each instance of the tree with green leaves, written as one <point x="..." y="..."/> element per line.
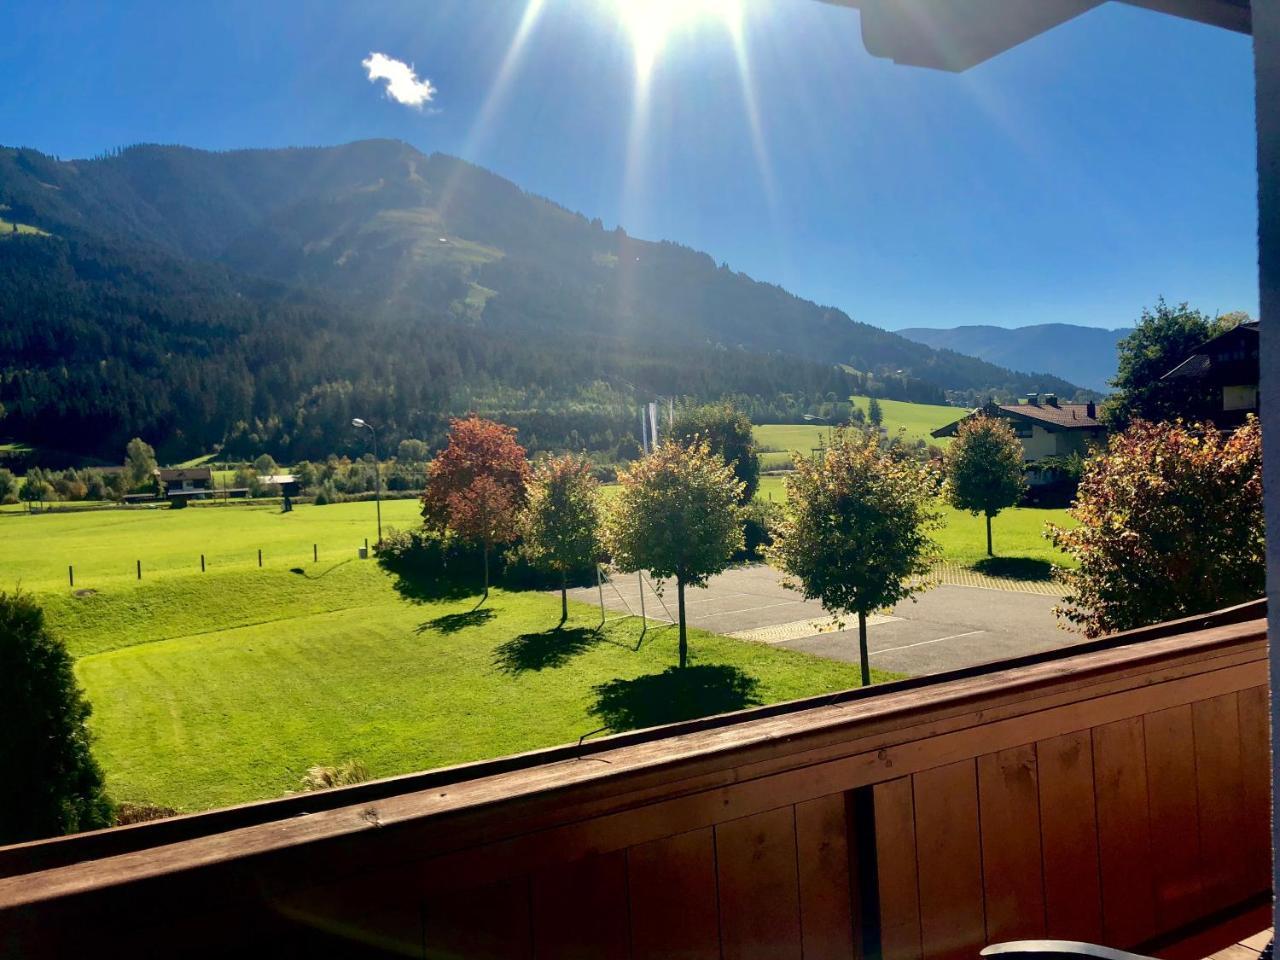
<point x="51" y="784"/>
<point x="560" y="527"/>
<point x="728" y="433"/>
<point x="139" y="463"/>
<point x="856" y="531"/>
<point x="35" y="488"/>
<point x="984" y="468"/>
<point x="874" y="414"/>
<point x="678" y="515"/>
<point x="1162" y="339"/>
<point x="8" y="485"/>
<point x="1169" y="524"/>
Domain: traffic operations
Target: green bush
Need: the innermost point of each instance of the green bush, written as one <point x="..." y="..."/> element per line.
<point x="760" y="515"/>
<point x="51" y="783"/>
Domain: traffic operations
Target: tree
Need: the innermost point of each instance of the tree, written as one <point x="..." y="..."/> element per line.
<point x="677" y="515"/>
<point x="476" y="486"/>
<point x="34" y="487"/>
<point x="1161" y="340"/>
<point x="855" y="534"/>
<point x="265" y="465"/>
<point x="984" y="469"/>
<point x="51" y="784"/>
<point x="727" y="431"/>
<point x="561" y="523"/>
<point x="412" y="451"/>
<point x="8" y="485"/>
<point x="874" y="414"/>
<point x="1170" y="525"/>
<point x="139" y="463"/>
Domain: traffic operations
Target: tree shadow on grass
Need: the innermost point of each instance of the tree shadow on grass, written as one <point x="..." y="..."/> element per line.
<point x="539" y="651"/>
<point x="453" y="622"/>
<point x="1016" y="568"/>
<point x="674" y="695"/>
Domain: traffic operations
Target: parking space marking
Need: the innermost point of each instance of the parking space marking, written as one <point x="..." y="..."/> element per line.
<point x="925" y="643"/>
<point x="801" y="629"/>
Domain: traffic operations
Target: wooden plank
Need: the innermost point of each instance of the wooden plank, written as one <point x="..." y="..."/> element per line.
<point x="949" y="855"/>
<point x="1219" y="787"/>
<point x="484" y="923"/>
<point x="673" y="898"/>
<point x="1175" y="826"/>
<point x="1255" y="787"/>
<point x="896" y="870"/>
<point x="1124" y="847"/>
<point x="1012" y="874"/>
<point x="1069" y="838"/>
<point x="759" y="886"/>
<point x="826" y="888"/>
<point x="580" y="910"/>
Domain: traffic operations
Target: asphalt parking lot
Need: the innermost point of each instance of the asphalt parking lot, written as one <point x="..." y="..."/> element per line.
<point x="947" y="627"/>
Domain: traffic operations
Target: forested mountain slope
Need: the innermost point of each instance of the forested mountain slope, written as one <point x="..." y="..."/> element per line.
<point x="260" y="297"/>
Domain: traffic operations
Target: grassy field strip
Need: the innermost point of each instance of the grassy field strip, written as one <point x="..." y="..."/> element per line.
<point x="916" y="420"/>
<point x="199" y="721"/>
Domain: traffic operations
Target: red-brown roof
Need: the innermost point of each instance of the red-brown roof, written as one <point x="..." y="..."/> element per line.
<point x="189" y="473"/>
<point x="1056" y="416"/>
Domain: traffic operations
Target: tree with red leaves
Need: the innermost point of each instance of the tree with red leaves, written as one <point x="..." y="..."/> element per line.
<point x="1169" y="524"/>
<point x="476" y="487"/>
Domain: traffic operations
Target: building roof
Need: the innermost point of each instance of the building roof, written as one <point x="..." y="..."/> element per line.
<point x="177" y="475"/>
<point x="1229" y="358"/>
<point x="279" y="479"/>
<point x="1052" y="416"/>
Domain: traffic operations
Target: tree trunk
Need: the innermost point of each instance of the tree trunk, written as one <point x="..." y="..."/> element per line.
<point x="684" y="640"/>
<point x="989" y="551"/>
<point x="564" y="598"/>
<point x="863" y="655"/>
<point x="485" y="596"/>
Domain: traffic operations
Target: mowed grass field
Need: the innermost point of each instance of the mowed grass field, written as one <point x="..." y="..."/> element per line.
<point x="223" y="687"/>
<point x="915" y="420"/>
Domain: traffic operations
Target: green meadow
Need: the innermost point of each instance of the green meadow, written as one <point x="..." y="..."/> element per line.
<point x="915" y="420"/>
<point x="223" y="687"/>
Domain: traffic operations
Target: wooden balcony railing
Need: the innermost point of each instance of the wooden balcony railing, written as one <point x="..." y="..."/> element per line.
<point x="1116" y="792"/>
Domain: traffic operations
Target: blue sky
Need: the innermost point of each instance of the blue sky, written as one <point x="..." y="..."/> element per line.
<point x="1072" y="179"/>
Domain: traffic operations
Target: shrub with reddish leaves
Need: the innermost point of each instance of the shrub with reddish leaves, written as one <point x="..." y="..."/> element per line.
<point x="1170" y="525"/>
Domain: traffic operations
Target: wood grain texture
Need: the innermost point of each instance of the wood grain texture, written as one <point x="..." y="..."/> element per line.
<point x="826" y="888"/>
<point x="1069" y="838"/>
<point x="1255" y="790"/>
<point x="759" y="887"/>
<point x="1175" y="819"/>
<point x="674" y="913"/>
<point x="1012" y="872"/>
<point x="581" y="910"/>
<point x="1124" y="840"/>
<point x="896" y="870"/>
<point x="949" y="854"/>
<point x="1219" y="785"/>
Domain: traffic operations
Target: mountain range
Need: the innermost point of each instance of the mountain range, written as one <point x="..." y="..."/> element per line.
<point x="257" y="299"/>
<point x="1083" y="355"/>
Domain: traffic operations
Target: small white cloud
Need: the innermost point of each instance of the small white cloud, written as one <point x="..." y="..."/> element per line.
<point x="403" y="84"/>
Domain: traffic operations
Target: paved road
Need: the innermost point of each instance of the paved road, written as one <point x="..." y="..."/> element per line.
<point x="947" y="627"/>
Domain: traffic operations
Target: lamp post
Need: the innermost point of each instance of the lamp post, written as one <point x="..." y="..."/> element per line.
<point x="377" y="471"/>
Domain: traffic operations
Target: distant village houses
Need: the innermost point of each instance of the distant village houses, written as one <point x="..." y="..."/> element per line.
<point x="191" y="483"/>
<point x="1046" y="428"/>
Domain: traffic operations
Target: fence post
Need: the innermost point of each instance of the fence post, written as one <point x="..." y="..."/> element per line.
<point x="71" y="574"/>
<point x="315" y="552"/>
<point x="139" y="569"/>
<point x="259" y="556"/>
<point x="202" y="563"/>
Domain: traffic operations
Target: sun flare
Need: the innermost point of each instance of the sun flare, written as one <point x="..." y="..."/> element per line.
<point x="651" y="23"/>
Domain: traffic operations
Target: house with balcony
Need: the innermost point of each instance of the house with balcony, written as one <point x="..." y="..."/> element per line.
<point x="185" y="483"/>
<point x="1046" y="428"/>
<point x="1227" y="368"/>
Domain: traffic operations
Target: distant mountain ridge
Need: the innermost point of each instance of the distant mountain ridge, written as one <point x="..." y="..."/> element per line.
<point x="515" y="302"/>
<point x="1083" y="355"/>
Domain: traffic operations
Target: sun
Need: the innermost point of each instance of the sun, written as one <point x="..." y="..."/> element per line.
<point x="650" y="23"/>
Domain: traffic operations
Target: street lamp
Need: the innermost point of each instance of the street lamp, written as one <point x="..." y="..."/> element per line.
<point x="377" y="471"/>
